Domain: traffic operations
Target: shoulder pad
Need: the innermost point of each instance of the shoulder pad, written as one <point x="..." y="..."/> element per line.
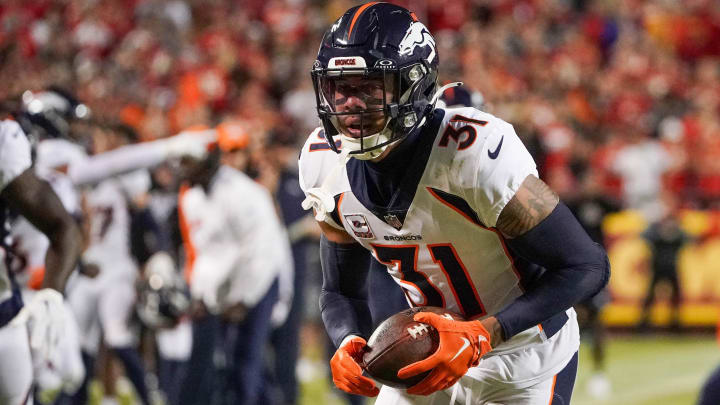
<point x="463" y="135"/>
<point x="317" y="161"/>
<point x="15" y="154"/>
<point x="484" y="155"/>
<point x="322" y="177"/>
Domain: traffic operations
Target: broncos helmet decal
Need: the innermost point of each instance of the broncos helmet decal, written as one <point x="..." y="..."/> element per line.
<point x="417" y="35"/>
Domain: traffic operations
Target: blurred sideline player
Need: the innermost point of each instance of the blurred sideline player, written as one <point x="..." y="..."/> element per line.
<point x="44" y="117"/>
<point x="450" y="201"/>
<point x="120" y="163"/>
<point x="104" y="305"/>
<point x="29" y="250"/>
<point x="118" y="180"/>
<point x="665" y="238"/>
<point x="30" y="335"/>
<point x="233" y="140"/>
<point x="51" y="114"/>
<point x="236" y="254"/>
<point x="49" y="117"/>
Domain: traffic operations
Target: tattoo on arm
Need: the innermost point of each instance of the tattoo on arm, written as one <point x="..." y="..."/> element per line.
<point x="532" y="203"/>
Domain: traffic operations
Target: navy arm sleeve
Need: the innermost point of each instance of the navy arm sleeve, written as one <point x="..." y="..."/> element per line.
<point x="343" y="298"/>
<point x="576" y="268"/>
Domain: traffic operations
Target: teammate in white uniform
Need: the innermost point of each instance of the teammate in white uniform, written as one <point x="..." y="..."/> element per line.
<point x="104" y="305"/>
<point x="107" y="300"/>
<point x="110" y="179"/>
<point x="42" y="319"/>
<point x="450" y="202"/>
<point x="29" y="248"/>
<point x="237" y="250"/>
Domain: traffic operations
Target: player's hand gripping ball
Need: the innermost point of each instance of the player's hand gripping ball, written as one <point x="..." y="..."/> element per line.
<point x="346" y="370"/>
<point x="400" y="341"/>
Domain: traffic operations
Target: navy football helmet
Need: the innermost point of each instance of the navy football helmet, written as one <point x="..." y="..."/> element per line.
<point x="49" y="113"/>
<point x="375" y="78"/>
<point x="462" y="97"/>
<point x="163" y="297"/>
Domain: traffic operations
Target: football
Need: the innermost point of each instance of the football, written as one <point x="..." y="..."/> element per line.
<point x="400" y="341"/>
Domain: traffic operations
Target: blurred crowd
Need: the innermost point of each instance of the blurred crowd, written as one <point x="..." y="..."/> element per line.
<point x="617" y="100"/>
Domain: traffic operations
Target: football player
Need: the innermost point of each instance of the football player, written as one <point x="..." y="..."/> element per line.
<point x="104" y="305"/>
<point x="105" y="302"/>
<point x="236" y="253"/>
<point x="449" y="200"/>
<point x="29" y="246"/>
<point x="42" y="319"/>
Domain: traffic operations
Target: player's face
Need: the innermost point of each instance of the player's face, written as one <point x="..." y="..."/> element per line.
<point x="354" y="95"/>
<point x="189" y="168"/>
<point x="198" y="171"/>
<point x="237" y="159"/>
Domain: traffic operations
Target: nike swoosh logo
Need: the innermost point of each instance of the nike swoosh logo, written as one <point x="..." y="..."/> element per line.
<point x="494" y="154"/>
<point x="466" y="344"/>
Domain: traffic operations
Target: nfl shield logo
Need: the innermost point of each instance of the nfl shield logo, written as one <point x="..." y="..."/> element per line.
<point x="393" y="221"/>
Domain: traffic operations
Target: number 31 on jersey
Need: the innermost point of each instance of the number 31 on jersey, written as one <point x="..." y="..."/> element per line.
<point x="445" y="256"/>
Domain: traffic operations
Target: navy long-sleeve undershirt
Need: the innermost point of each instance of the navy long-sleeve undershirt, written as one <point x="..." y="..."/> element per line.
<point x="576" y="268"/>
<point x="344" y="294"/>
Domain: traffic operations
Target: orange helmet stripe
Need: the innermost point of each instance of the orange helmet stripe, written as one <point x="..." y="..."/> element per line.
<point x="358" y="13"/>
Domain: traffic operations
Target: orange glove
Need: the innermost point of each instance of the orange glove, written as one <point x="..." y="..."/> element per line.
<point x="462" y="344"/>
<point x="37" y="275"/>
<point x="346" y="371"/>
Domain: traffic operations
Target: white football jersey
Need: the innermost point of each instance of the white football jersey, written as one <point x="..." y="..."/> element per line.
<point x="446" y="252"/>
<point x="15" y="158"/>
<point x="239" y="243"/>
<point x="28" y="242"/>
<point x="14" y="152"/>
<point x="107" y="203"/>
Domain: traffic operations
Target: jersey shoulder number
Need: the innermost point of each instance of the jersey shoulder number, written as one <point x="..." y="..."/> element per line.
<point x="486" y="160"/>
<point x="464" y="128"/>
